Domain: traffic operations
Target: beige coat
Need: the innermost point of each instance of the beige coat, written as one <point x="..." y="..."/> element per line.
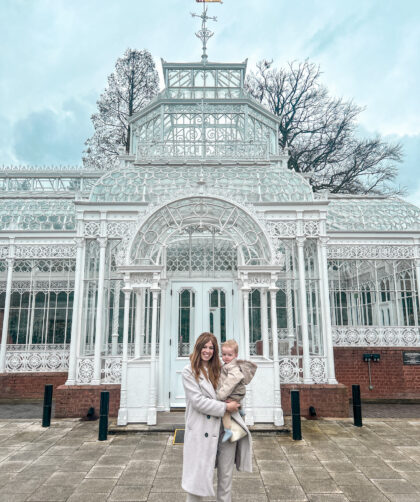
<point x="202" y="426"/>
<point x="235" y="375"/>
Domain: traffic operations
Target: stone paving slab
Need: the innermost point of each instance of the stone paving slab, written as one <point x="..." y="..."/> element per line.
<point x="335" y="462"/>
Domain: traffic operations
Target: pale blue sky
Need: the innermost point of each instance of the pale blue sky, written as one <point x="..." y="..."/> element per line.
<point x="55" y="56"/>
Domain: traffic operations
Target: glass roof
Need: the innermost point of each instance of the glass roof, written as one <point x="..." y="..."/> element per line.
<point x="376" y="214"/>
<point x="37" y="214"/>
<point x="252" y="184"/>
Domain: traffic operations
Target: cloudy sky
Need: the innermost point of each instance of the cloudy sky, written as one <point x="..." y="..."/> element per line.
<point x="55" y="56"/>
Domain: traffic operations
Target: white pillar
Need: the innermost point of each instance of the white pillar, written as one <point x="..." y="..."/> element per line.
<point x="291" y="336"/>
<point x="326" y="312"/>
<point x="303" y="312"/>
<point x="123" y="411"/>
<point x="4" y="333"/>
<point x="77" y="300"/>
<point x="264" y="322"/>
<point x="139" y="322"/>
<point x="115" y="319"/>
<point x="278" y="412"/>
<point x="99" y="313"/>
<point x="249" y="417"/>
<point x="151" y="413"/>
<point x="162" y="343"/>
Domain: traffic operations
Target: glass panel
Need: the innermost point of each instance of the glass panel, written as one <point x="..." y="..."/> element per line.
<point x="218" y="314"/>
<point x="185" y="321"/>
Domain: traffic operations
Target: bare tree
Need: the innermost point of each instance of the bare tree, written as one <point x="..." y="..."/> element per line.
<point x="320" y="132"/>
<point x="130" y="87"/>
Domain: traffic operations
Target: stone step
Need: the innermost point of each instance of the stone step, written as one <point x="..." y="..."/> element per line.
<point x="167" y="422"/>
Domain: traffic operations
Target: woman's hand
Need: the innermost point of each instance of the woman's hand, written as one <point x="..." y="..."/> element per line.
<point x="232" y="406"/>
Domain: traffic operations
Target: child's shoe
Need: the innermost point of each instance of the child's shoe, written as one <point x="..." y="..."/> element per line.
<point x="241" y="412"/>
<point x="227" y="435"/>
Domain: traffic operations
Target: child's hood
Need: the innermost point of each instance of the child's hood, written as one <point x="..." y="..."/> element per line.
<point x="248" y="370"/>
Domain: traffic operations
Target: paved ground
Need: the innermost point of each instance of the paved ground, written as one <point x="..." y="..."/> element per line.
<point x="335" y="462"/>
<point x="33" y="410"/>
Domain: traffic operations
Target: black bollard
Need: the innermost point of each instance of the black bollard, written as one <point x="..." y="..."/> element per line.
<point x="46" y="415"/>
<point x="297" y="432"/>
<point x="357" y="406"/>
<point x="103" y="416"/>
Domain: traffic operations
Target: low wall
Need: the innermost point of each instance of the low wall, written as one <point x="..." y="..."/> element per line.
<point x="28" y="385"/>
<point x="73" y="401"/>
<point x="328" y="400"/>
<point x="391" y="379"/>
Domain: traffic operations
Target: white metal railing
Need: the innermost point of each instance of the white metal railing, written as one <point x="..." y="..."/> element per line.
<point x="199" y="149"/>
<point x="376" y="336"/>
<point x="37" y="358"/>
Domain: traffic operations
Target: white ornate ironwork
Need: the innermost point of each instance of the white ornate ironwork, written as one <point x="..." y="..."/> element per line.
<point x="119" y="229"/>
<point x="200" y="216"/>
<point x="318" y="369"/>
<point x="290" y="369"/>
<point x="47" y="250"/>
<point x="111" y="370"/>
<point x="369" y="251"/>
<point x="27" y="359"/>
<point x="376" y="336"/>
<point x="202" y="255"/>
<point x="280" y="229"/>
<point x="311" y="228"/>
<point x="84" y="370"/>
<point x="91" y="228"/>
<point x="204" y="150"/>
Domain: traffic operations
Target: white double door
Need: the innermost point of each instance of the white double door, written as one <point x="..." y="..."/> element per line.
<point x="197" y="307"/>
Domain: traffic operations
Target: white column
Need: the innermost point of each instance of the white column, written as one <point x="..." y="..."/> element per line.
<point x="5" y="331"/>
<point x="32" y="314"/>
<point x="278" y="413"/>
<point x="115" y="319"/>
<point x="77" y="300"/>
<point x="303" y="312"/>
<point x="151" y="414"/>
<point x="249" y="417"/>
<point x="99" y="313"/>
<point x="326" y="312"/>
<point x="123" y="412"/>
<point x="291" y="337"/>
<point x="162" y="344"/>
<point x="139" y="322"/>
<point x="264" y="322"/>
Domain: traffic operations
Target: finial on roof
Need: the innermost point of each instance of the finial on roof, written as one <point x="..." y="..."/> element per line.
<point x="205" y="34"/>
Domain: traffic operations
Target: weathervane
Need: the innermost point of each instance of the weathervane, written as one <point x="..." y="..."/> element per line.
<point x="205" y="34"/>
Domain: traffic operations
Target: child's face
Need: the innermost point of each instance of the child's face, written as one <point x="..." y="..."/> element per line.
<point x="228" y="354"/>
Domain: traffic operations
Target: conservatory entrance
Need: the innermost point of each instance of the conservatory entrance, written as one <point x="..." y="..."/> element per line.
<point x="196" y="307"/>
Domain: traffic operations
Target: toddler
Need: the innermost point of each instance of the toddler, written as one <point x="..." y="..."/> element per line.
<point x="234" y="376"/>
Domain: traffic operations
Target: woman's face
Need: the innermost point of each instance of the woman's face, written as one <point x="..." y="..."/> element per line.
<point x="207" y="352"/>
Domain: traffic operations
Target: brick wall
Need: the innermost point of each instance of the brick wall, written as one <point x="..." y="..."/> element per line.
<point x="328" y="400"/>
<point x="391" y="379"/>
<point x="28" y="385"/>
<point x="72" y="401"/>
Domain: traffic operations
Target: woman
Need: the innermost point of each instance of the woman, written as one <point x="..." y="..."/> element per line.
<point x="203" y="448"/>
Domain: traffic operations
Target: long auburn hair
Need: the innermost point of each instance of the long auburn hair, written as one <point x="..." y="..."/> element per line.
<point x="213" y="365"/>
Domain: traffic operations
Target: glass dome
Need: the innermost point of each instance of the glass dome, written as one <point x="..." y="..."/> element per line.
<point x="375" y="214"/>
<point x="252" y="184"/>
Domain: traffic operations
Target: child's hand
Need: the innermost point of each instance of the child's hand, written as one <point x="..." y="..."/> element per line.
<point x="232" y="406"/>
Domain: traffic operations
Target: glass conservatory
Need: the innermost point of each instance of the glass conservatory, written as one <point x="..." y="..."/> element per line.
<point x="111" y="275"/>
